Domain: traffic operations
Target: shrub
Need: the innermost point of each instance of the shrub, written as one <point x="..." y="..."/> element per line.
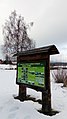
<point x="65" y="82"/>
<point x="60" y="76"/>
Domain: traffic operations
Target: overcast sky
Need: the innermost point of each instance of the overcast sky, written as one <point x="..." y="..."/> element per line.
<point x="49" y="17"/>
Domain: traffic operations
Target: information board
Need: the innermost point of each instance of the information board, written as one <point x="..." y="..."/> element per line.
<point x="31" y="74"/>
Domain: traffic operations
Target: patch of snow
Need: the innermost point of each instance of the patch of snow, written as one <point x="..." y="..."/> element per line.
<point x="11" y="108"/>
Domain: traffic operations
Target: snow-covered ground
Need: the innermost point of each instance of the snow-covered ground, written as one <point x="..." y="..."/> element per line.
<point x="11" y="108"/>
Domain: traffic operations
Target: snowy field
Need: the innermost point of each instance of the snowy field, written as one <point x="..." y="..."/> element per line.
<point x="11" y="108"/>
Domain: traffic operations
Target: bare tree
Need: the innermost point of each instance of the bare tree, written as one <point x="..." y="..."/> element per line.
<point x="15" y="35"/>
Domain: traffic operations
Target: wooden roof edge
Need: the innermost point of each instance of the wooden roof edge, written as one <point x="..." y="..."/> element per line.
<point x="51" y="49"/>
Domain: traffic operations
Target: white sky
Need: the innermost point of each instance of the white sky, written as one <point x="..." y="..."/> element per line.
<point x="49" y="17"/>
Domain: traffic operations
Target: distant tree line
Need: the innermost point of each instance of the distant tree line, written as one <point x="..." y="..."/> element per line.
<point x="58" y="63"/>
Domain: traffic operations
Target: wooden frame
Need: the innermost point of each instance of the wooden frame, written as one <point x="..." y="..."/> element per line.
<point x="38" y="55"/>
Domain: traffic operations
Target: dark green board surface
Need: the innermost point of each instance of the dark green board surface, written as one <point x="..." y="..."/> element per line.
<point x="31" y="74"/>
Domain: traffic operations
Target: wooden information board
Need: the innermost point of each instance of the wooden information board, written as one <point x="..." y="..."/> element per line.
<point x="33" y="70"/>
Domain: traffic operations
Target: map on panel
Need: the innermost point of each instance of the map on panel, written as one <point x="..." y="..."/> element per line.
<point x="31" y="74"/>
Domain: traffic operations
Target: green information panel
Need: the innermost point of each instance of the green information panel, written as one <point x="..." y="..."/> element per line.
<point x="31" y="74"/>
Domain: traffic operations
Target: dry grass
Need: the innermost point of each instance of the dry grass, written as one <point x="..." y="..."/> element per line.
<point x="60" y="76"/>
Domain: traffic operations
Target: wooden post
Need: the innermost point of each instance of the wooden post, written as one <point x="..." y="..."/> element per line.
<point x="46" y="95"/>
<point x="22" y="92"/>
